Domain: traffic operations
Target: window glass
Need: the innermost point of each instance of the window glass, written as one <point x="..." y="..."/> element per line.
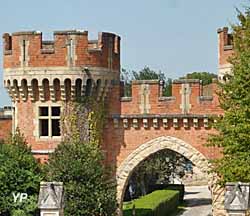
<point x="44" y="111"/>
<point x="56" y="127"/>
<point x="44" y="127"/>
<point x="55" y="111"/>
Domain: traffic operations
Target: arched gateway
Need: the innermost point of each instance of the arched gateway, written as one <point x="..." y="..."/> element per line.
<point x="125" y="170"/>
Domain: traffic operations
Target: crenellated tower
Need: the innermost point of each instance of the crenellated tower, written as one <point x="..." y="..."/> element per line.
<point x="225" y="50"/>
<point x="41" y="75"/>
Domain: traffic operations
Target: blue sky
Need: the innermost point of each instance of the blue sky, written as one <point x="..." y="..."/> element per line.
<point x="174" y="36"/>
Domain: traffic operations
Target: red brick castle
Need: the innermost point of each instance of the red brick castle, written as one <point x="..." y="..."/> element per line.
<point x="41" y="75"/>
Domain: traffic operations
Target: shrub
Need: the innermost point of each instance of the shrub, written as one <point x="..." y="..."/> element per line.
<point x="19" y="173"/>
<point x="178" y="187"/>
<point x="158" y="203"/>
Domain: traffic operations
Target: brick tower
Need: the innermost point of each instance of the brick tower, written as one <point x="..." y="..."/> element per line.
<point x="41" y="75"/>
<point x="225" y="50"/>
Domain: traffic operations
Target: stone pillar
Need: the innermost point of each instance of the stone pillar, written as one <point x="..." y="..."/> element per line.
<point x="237" y="199"/>
<point x="50" y="201"/>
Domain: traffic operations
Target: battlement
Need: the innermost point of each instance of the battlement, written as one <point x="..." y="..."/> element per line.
<point x="225" y="41"/>
<point x="70" y="66"/>
<point x="70" y="48"/>
<point x="189" y="97"/>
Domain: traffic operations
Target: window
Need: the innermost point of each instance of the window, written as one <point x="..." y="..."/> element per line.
<point x="49" y="121"/>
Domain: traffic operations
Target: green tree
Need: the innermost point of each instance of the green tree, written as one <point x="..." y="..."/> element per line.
<point x="145" y="74"/>
<point x="79" y="163"/>
<point x="19" y="173"/>
<point x="159" y="168"/>
<point x="234" y="127"/>
<point x="206" y="77"/>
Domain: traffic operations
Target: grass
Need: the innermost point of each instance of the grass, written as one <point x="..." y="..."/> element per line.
<point x="158" y="203"/>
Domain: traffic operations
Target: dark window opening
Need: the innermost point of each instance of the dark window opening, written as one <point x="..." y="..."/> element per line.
<point x="55" y="111"/>
<point x="44" y="111"/>
<point x="24" y="50"/>
<point x="56" y="127"/>
<point x="44" y="127"/>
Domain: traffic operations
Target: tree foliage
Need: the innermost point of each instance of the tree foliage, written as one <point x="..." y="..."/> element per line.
<point x="19" y="173"/>
<point x="145" y="74"/>
<point x="79" y="163"/>
<point x="160" y="168"/>
<point x="234" y="127"/>
<point x="148" y="74"/>
<point x="206" y="77"/>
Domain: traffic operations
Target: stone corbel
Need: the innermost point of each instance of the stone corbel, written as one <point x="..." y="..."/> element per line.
<point x="52" y="93"/>
<point x="185" y="123"/>
<point x="15" y="93"/>
<point x="165" y="122"/>
<point x="125" y="123"/>
<point x="206" y="123"/>
<point x="175" y="123"/>
<point x="196" y="122"/>
<point x="73" y="92"/>
<point x="155" y="123"/>
<point x="135" y="123"/>
<point x="30" y="93"/>
<point x="63" y="94"/>
<point x="41" y="93"/>
<point x="145" y="123"/>
<point x="22" y="93"/>
<point x="11" y="94"/>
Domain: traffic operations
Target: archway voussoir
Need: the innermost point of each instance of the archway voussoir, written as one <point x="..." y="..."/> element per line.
<point x="125" y="170"/>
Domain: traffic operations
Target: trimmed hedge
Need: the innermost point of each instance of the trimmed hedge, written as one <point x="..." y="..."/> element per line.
<point x="158" y="203"/>
<point x="179" y="187"/>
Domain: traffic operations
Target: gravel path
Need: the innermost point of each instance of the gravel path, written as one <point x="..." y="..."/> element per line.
<point x="198" y="201"/>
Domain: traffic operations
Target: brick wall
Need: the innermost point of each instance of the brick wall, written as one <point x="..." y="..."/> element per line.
<point x="5" y="127"/>
<point x="41" y="53"/>
<point x="121" y="140"/>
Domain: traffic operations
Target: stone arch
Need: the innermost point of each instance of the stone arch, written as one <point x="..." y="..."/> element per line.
<point x="125" y="170"/>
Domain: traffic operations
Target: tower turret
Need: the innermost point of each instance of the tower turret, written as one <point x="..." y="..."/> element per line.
<point x="41" y="75"/>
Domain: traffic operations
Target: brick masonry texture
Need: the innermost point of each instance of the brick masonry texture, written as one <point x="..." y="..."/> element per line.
<point x="147" y="119"/>
<point x="5" y="127"/>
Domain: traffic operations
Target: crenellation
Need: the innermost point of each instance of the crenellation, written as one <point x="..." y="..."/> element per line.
<point x="225" y="51"/>
<point x="104" y="52"/>
<point x="187" y="98"/>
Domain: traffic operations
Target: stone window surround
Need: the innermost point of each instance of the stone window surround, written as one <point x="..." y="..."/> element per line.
<point x="38" y="117"/>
